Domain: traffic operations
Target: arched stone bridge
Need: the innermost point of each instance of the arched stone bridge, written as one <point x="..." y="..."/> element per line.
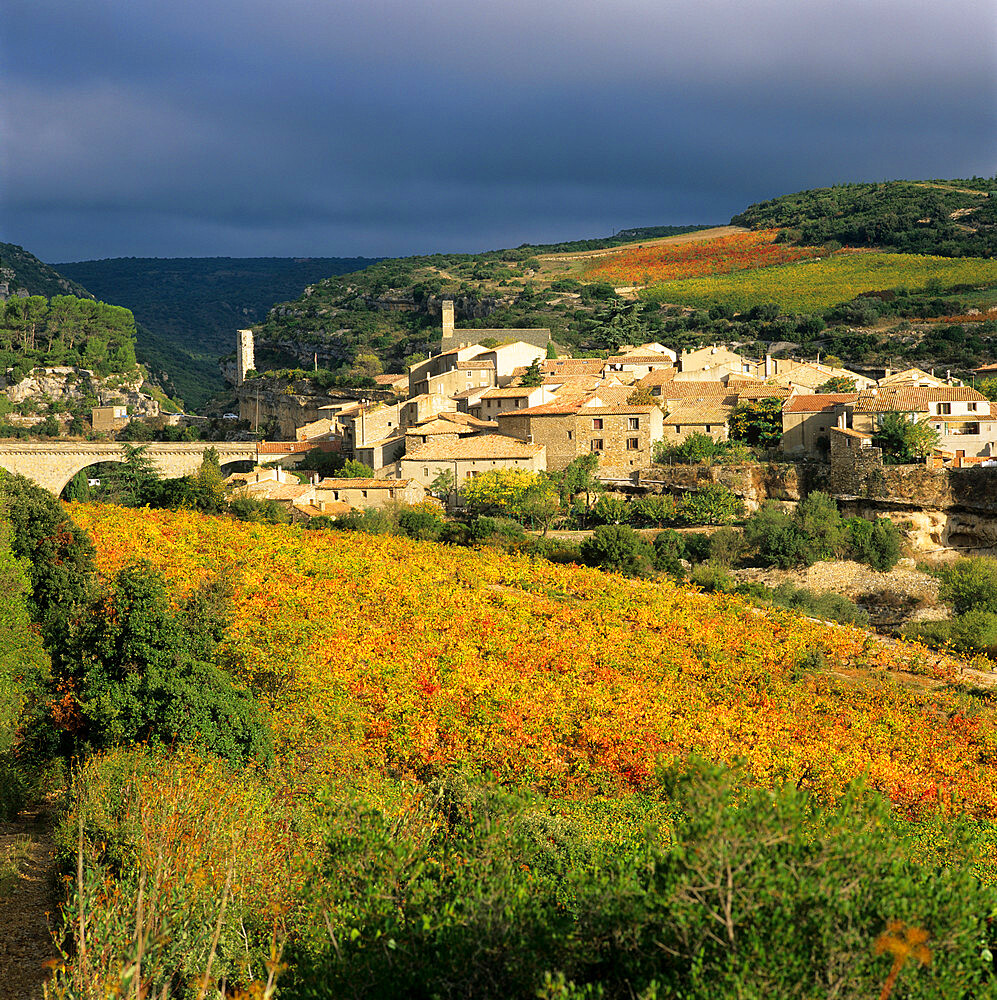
<point x="52" y="465"/>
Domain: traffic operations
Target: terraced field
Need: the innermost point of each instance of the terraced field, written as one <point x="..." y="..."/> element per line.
<point x="811" y="285"/>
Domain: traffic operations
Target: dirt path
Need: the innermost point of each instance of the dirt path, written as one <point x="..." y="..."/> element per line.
<point x="27" y="902"/>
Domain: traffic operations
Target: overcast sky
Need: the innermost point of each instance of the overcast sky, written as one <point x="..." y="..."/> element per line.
<point x="388" y="127"/>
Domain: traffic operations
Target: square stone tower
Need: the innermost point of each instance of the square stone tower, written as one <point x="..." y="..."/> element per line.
<point x="244" y="360"/>
<point x="448" y="325"/>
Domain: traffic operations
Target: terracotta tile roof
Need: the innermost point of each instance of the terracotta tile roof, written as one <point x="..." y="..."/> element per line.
<point x="755" y="391"/>
<point x="987" y="368"/>
<point x="476" y="390"/>
<point x="434" y="427"/>
<point x="621" y="410"/>
<point x="278" y="491"/>
<point x="640" y="359"/>
<point x="466" y="420"/>
<point x="333" y="508"/>
<point x="557" y="407"/>
<point x="477" y="447"/>
<point x="659" y="377"/>
<point x="510" y="392"/>
<point x="572" y="366"/>
<point x="614" y="395"/>
<point x="391" y="379"/>
<point x="817" y="402"/>
<point x="908" y="399"/>
<point x="680" y="390"/>
<point x="696" y="413"/>
<point x="362" y="484"/>
<point x="462" y="366"/>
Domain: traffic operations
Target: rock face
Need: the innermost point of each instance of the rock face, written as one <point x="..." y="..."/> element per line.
<point x="753" y="482"/>
<point x="78" y="389"/>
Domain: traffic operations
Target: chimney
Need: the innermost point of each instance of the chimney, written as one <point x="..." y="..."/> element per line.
<point x="448" y="327"/>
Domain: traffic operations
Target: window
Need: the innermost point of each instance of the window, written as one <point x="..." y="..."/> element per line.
<point x="944" y="408"/>
<point x="597" y="423"/>
<point x="633" y="423"/>
<point x="571" y="435"/>
<point x="707" y="428"/>
<point x="633" y="444"/>
<point x="971" y="406"/>
<point x="678" y="428"/>
<point x="596" y="444"/>
<point x="363" y="493"/>
<point x="425" y="472"/>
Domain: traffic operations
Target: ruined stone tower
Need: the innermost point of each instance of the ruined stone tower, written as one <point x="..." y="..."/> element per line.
<point x="244" y="360"/>
<point x="447" y="322"/>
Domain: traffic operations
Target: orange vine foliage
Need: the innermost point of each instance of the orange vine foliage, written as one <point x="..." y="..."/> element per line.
<point x="670" y="262"/>
<point x="382" y="652"/>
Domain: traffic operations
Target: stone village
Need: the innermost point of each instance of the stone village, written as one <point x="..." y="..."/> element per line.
<point x="493" y="399"/>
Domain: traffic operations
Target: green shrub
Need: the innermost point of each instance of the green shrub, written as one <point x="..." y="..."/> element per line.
<point x="714" y="504"/>
<point x="369" y="520"/>
<point x="418" y="523"/>
<point x="970" y="584"/>
<point x="818" y="519"/>
<point x="877" y="543"/>
<point x="711" y="576"/>
<point x="653" y="510"/>
<point x="727" y="547"/>
<point x="697" y="546"/>
<point x="247" y="508"/>
<point x="612" y="510"/>
<point x="669" y="550"/>
<point x="142" y="671"/>
<point x="777" y="538"/>
<point x="470" y="892"/>
<point x="59" y="556"/>
<point x="973" y="633"/>
<point x="617" y="547"/>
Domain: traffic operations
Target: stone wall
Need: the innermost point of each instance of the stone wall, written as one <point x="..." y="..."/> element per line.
<point x="754" y="482"/>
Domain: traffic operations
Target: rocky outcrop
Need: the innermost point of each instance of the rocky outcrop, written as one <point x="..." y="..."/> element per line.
<point x="70" y="389"/>
<point x="754" y="482"/>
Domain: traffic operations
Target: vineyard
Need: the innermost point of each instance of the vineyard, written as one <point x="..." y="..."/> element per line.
<point x="476" y="758"/>
<point x="375" y="652"/>
<point x="813" y="285"/>
<point x="645" y="265"/>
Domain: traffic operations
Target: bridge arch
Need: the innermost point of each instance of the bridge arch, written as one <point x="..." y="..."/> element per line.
<point x="53" y="465"/>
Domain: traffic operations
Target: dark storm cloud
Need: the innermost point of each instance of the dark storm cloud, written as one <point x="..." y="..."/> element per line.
<point x="390" y="127"/>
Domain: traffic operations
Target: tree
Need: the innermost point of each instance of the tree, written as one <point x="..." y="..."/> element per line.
<point x="904" y="441"/>
<point x="444" y="483"/>
<point x="366" y="365"/>
<point x="837" y="383"/>
<point x="777" y="538"/>
<point x="641" y="396"/>
<point x="877" y="543"/>
<point x="579" y="477"/>
<point x="532" y="377"/>
<point x="757" y="422"/>
<point x="713" y="504"/>
<point x="133" y="482"/>
<point x="551" y="351"/>
<point x="140" y="670"/>
<point x="818" y="518"/>
<point x="540" y="503"/>
<point x="353" y="469"/>
<point x="619" y="548"/>
<point x="59" y="556"/>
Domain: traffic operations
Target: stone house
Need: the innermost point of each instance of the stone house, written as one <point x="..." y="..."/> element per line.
<point x="470" y="456"/>
<point x="713" y="361"/>
<point x="496" y="401"/>
<point x="963" y="417"/>
<point x="109" y="418"/>
<point x="376" y="493"/>
<point x="807" y="419"/>
<point x="704" y="416"/>
<point x="622" y="435"/>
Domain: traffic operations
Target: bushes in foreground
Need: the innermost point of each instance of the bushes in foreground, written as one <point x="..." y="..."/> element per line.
<point x="474" y="892"/>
